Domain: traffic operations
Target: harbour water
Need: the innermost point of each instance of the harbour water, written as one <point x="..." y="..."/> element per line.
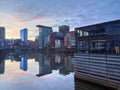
<point x="38" y="71"/>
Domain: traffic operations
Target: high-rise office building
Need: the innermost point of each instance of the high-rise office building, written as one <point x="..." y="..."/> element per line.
<point x="64" y="29"/>
<point x="2" y="36"/>
<point x="44" y="32"/>
<point x="24" y="36"/>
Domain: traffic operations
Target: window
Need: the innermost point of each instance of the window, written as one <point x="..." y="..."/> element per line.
<point x="86" y="33"/>
<point x="81" y="34"/>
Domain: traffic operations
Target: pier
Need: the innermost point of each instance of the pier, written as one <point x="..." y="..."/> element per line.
<point x="100" y="69"/>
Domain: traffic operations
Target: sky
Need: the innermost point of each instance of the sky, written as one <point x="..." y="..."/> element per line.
<point x="18" y="14"/>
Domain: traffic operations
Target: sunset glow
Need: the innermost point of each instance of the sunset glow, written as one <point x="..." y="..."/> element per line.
<point x="18" y="14"/>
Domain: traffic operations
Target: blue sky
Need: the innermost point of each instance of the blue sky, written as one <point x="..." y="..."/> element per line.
<point x="18" y="14"/>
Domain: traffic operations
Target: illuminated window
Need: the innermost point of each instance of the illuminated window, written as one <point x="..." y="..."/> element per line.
<point x="86" y="34"/>
<point x="81" y="34"/>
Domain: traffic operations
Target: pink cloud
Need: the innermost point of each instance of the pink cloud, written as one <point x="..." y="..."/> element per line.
<point x="20" y="20"/>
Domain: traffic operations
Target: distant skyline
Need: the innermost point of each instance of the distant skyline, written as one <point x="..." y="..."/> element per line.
<point x="18" y="14"/>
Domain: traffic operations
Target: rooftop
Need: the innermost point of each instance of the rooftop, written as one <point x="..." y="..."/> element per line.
<point x="43" y="26"/>
<point x="99" y="23"/>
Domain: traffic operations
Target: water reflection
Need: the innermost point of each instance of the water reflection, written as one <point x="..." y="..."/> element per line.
<point x="23" y="62"/>
<point x="44" y="65"/>
<point x="2" y="66"/>
<point x="46" y="62"/>
<point x="35" y="71"/>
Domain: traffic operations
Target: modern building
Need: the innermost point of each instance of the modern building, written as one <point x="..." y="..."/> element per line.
<point x="44" y="32"/>
<point x="2" y="36"/>
<point x="56" y="39"/>
<point x="99" y="38"/>
<point x="24" y="36"/>
<point x="69" y="39"/>
<point x="64" y="29"/>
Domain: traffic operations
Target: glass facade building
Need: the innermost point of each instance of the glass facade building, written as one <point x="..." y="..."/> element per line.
<point x="64" y="29"/>
<point x="99" y="38"/>
<point x="44" y="32"/>
<point x="24" y="36"/>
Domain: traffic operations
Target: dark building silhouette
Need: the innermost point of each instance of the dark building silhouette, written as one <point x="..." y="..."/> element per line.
<point x="2" y="66"/>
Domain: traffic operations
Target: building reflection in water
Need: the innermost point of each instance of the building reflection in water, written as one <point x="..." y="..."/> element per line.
<point x="23" y="62"/>
<point x="44" y="65"/>
<point x="66" y="66"/>
<point x="57" y="59"/>
<point x="2" y="66"/>
<point x="46" y="62"/>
